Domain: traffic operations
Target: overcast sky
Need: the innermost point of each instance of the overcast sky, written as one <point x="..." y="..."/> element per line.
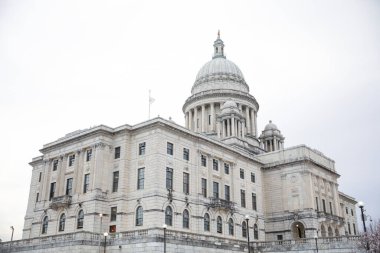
<point x="313" y="66"/>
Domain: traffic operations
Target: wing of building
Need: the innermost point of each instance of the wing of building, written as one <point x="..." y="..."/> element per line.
<point x="214" y="183"/>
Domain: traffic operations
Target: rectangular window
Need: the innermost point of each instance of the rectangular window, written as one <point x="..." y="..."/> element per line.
<point x="140" y="178"/>
<point x="215" y="164"/>
<point x="71" y="160"/>
<point x="169" y="178"/>
<point x="169" y="148"/>
<point x="203" y="160"/>
<point x="117" y="152"/>
<point x="215" y="189"/>
<point x="55" y="165"/>
<point x="39" y="177"/>
<point x="241" y="173"/>
<point x="142" y="148"/>
<point x="331" y="209"/>
<point x="226" y="168"/>
<point x="86" y="183"/>
<point x="349" y="227"/>
<point x="112" y="229"/>
<point x="37" y="196"/>
<point x="354" y="228"/>
<point x="52" y="190"/>
<point x="316" y="203"/>
<point x="227" y="192"/>
<point x="113" y="213"/>
<point x="186" y="183"/>
<point x="204" y="187"/>
<point x="242" y="198"/>
<point x="69" y="186"/>
<point x="352" y="212"/>
<point x="115" y="181"/>
<point x="279" y="237"/>
<point x="254" y="202"/>
<point x="324" y="205"/>
<point x="88" y="155"/>
<point x="253" y="177"/>
<point x="186" y="154"/>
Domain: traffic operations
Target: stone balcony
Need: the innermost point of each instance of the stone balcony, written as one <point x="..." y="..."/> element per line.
<point x="223" y="204"/>
<point x="330" y="217"/>
<point x="60" y="202"/>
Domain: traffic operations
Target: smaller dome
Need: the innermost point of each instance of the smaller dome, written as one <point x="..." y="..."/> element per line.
<point x="270" y="126"/>
<point x="230" y="107"/>
<point x="229" y="104"/>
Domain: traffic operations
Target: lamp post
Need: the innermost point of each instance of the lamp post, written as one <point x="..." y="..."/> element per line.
<point x="13" y="229"/>
<point x="105" y="241"/>
<point x="247" y="220"/>
<point x="164" y="227"/>
<point x="316" y="242"/>
<point x="361" y="206"/>
<point x="100" y="229"/>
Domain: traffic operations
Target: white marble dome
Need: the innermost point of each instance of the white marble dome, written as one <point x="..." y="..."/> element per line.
<point x="219" y="74"/>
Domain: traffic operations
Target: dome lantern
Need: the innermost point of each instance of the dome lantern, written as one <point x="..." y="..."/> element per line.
<point x="218" y="48"/>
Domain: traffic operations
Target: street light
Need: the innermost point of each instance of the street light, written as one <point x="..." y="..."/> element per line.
<point x="100" y="230"/>
<point x="247" y="220"/>
<point x="13" y="229"/>
<point x="105" y="241"/>
<point x="164" y="227"/>
<point x="316" y="241"/>
<point x="361" y="206"/>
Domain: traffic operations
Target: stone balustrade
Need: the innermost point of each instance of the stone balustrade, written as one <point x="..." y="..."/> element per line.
<point x="328" y="244"/>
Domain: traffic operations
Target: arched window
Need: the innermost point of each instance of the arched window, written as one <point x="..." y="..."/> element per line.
<point x="323" y="231"/>
<point x="206" y="222"/>
<point x="139" y="216"/>
<point x="244" y="229"/>
<point x="298" y="230"/>
<point x="62" y="221"/>
<point x="169" y="216"/>
<point x="255" y="232"/>
<point x="80" y="219"/>
<point x="185" y="219"/>
<point x="219" y="228"/>
<point x="330" y="231"/>
<point x="45" y="223"/>
<point x="230" y="227"/>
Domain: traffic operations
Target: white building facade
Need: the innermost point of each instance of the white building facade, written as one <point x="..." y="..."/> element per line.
<point x="216" y="183"/>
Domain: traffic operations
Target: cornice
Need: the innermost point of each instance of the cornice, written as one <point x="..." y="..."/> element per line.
<point x="220" y="93"/>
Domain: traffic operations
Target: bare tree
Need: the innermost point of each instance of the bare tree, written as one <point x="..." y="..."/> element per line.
<point x="371" y="240"/>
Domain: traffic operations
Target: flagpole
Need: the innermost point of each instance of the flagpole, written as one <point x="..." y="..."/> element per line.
<point x="149" y="105"/>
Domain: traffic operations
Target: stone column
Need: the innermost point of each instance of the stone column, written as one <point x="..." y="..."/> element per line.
<point x="190" y="119"/>
<point x="228" y="133"/>
<point x="218" y="128"/>
<point x="223" y="128"/>
<point x="212" y="113"/>
<point x="247" y="120"/>
<point x="255" y="121"/>
<point x="187" y="120"/>
<point x="233" y="126"/>
<point x="195" y="119"/>
<point x="242" y="130"/>
<point x="275" y="143"/>
<point x="203" y="119"/>
<point x="253" y="130"/>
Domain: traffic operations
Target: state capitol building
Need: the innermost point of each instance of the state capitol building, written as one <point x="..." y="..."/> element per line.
<point x="209" y="186"/>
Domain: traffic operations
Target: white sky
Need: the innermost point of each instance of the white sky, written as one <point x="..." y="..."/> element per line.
<point x="313" y="66"/>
